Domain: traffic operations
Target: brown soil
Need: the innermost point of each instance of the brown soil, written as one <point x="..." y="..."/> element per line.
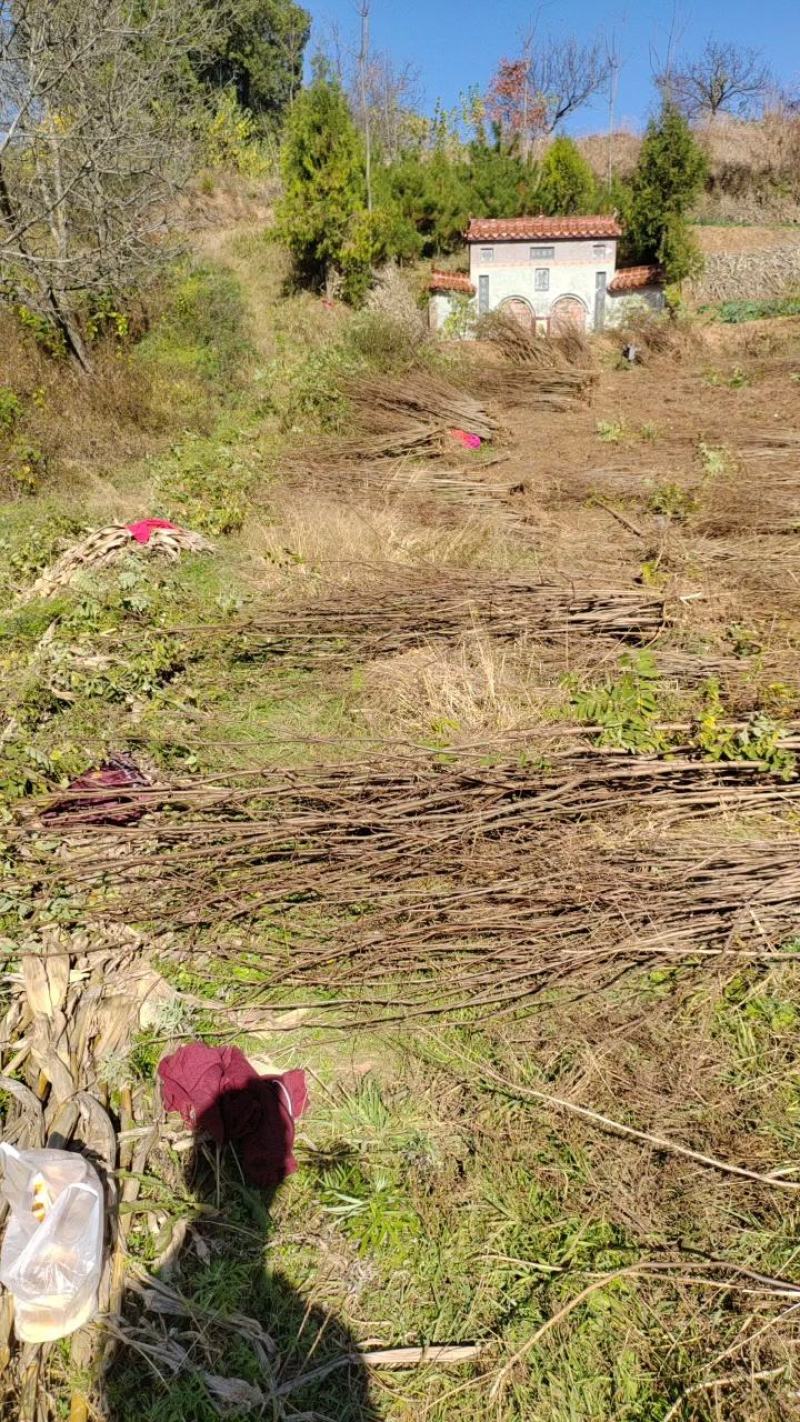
<point x="747" y="239"/>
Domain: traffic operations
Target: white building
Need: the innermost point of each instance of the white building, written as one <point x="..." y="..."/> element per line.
<point x="547" y="272"/>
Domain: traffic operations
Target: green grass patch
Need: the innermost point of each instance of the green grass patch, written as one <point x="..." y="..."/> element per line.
<point x="734" y="313"/>
<point x="203" y="331"/>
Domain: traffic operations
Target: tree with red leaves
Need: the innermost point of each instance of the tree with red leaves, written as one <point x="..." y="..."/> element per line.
<point x="529" y="97"/>
<point x="509" y="102"/>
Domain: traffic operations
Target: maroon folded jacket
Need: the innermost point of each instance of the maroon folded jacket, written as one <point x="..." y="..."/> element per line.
<point x="119" y="772"/>
<point x="218" y="1092"/>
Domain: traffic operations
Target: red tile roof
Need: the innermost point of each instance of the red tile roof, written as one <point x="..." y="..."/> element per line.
<point x="451" y="281"/>
<point x="635" y="279"/>
<point x="532" y="229"/>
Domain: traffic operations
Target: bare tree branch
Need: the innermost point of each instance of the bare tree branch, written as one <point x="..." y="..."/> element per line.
<point x="725" y="78"/>
<point x="531" y="96"/>
<point x="565" y="74"/>
<point x="97" y="99"/>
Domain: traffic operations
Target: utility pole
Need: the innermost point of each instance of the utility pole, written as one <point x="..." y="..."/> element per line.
<point x="363" y="59"/>
<point x="614" y="65"/>
<point x="672" y="40"/>
<point x="527" y="46"/>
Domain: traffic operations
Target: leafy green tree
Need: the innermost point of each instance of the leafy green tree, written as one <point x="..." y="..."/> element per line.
<point x="668" y="178"/>
<point x="438" y="193"/>
<point x="260" y="54"/>
<point x="322" y="165"/>
<point x="614" y="197"/>
<point x="433" y="199"/>
<point x="323" y="216"/>
<point x="678" y="251"/>
<point x="374" y="238"/>
<point x="500" y="183"/>
<point x="567" y="183"/>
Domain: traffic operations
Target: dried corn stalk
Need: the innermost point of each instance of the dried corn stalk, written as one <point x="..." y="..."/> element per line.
<point x="104" y="546"/>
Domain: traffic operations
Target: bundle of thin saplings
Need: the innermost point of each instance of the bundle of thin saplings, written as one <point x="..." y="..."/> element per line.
<point x="545" y="373"/>
<point x="406" y="610"/>
<point x="412" y="414"/>
<point x="548" y="915"/>
<point x="758" y="500"/>
<point x="469" y="871"/>
<point x="445" y="493"/>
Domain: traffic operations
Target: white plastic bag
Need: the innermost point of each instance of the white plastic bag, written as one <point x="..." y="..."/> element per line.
<point x="52" y="1254"/>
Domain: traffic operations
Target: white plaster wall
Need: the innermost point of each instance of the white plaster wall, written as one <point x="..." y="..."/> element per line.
<point x="620" y="308"/>
<point x="573" y="272"/>
<point x="439" y="308"/>
<point x="517" y="254"/>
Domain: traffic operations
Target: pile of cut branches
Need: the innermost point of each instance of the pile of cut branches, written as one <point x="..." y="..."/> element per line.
<point x="459" y="883"/>
<point x="410" y="608"/>
<point x="551" y="372"/>
<point x="105" y="546"/>
<point x="71" y="1018"/>
<point x="409" y="415"/>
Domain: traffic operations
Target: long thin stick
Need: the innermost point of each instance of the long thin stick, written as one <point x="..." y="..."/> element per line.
<point x="557" y="1318"/>
<point x="618" y="1128"/>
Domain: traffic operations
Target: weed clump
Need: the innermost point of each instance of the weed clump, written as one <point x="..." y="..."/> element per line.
<point x="735" y="313"/>
<point x="626" y="707"/>
<point x="202" y="334"/>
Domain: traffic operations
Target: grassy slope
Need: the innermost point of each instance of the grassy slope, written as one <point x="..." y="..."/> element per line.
<point x="430" y="1205"/>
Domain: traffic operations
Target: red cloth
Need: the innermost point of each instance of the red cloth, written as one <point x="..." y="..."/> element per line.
<point x="218" y="1091"/>
<point x="469" y="441"/>
<point x="142" y="530"/>
<point x="119" y="772"/>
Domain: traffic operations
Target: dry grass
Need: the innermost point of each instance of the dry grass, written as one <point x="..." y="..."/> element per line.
<point x="392" y="299"/>
<point x="479" y="688"/>
<point x="67" y="420"/>
<point x="753" y="165"/>
<point x="658" y="336"/>
<point x="625" y="146"/>
<point x="348" y="539"/>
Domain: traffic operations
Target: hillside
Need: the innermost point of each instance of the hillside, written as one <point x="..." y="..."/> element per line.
<point x="754" y="166"/>
<point x="468" y="785"/>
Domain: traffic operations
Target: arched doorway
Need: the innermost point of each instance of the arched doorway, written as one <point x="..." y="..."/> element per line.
<point x="568" y="312"/>
<point x="520" y="309"/>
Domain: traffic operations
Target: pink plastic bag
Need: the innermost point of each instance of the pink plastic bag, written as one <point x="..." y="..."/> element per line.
<point x="469" y="441"/>
<point x="141" y="531"/>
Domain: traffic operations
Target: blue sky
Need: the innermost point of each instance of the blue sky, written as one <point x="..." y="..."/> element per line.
<point x="456" y="43"/>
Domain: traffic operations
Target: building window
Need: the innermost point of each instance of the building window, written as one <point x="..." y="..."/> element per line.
<point x="541" y="279"/>
<point x="599" y="249"/>
<point x="483" y="294"/>
<point x="542" y="254"/>
<point x="600" y="281"/>
<point x="487" y="254"/>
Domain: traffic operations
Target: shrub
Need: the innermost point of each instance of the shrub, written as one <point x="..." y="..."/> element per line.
<point x="204" y="328"/>
<point x="10" y="407"/>
<point x="668" y="178"/>
<point x="567" y="184"/>
<point x="625" y="706"/>
<point x="231" y="139"/>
